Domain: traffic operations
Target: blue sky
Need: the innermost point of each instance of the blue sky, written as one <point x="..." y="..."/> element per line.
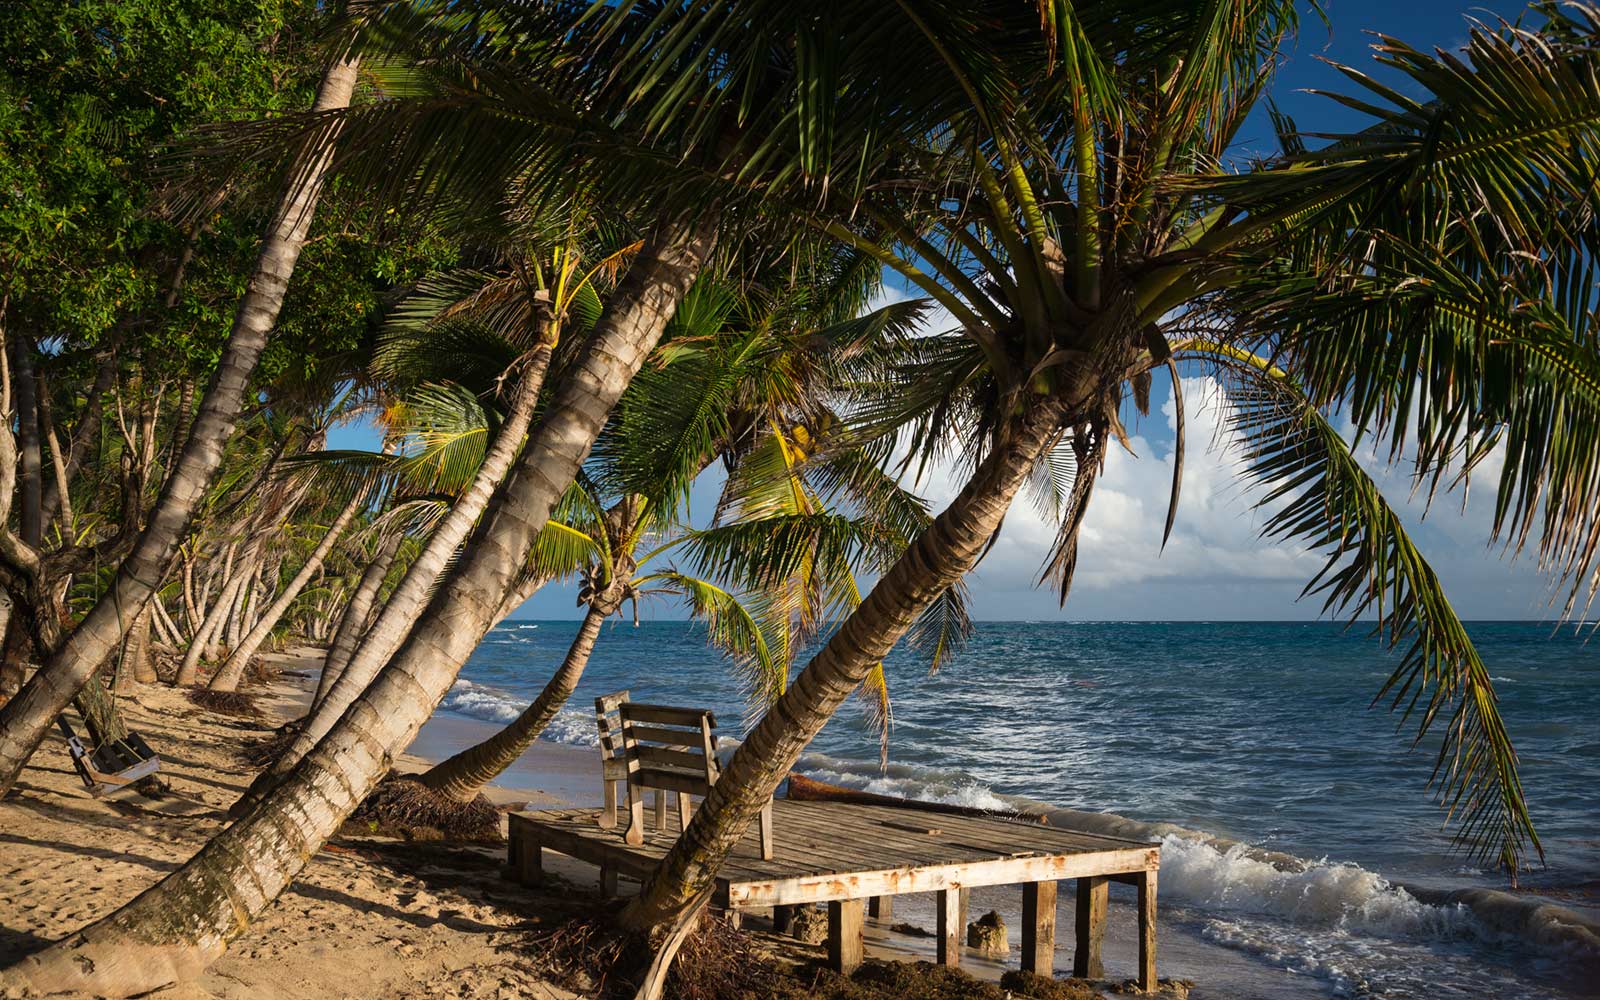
<point x="1215" y="567"/>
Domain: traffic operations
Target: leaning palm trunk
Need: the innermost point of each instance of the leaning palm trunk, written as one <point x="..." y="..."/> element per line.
<point x="232" y="670"/>
<point x="25" y="719"/>
<point x="353" y="622"/>
<point x="407" y="602"/>
<point x="938" y="559"/>
<point x="176" y="928"/>
<point x="463" y="776"/>
<point x="210" y="628"/>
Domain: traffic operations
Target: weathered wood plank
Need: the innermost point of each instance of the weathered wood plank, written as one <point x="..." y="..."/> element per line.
<point x="845" y="945"/>
<point x="1147" y="932"/>
<point x="950" y="928"/>
<point x="669" y="737"/>
<point x="1089" y="927"/>
<point x="692" y="762"/>
<point x="666" y="715"/>
<point x="932" y="878"/>
<point x="1039" y="928"/>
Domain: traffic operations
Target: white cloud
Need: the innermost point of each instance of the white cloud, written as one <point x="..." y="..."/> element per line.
<point x="1216" y="565"/>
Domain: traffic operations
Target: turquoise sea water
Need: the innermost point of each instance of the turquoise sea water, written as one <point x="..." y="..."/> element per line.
<point x="1258" y="732"/>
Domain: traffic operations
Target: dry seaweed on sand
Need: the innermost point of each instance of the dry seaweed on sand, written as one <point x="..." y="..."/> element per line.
<point x="239" y="704"/>
<point x="719" y="962"/>
<point x="405" y="808"/>
<point x="260" y="670"/>
<point x="264" y="751"/>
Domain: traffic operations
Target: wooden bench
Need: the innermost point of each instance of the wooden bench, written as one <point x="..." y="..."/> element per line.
<point x="660" y="747"/>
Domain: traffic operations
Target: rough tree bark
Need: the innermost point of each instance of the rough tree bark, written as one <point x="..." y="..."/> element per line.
<point x="232" y="670"/>
<point x="183" y="923"/>
<point x="409" y="598"/>
<point x="26" y="718"/>
<point x="353" y="622"/>
<point x="463" y="776"/>
<point x="939" y="558"/>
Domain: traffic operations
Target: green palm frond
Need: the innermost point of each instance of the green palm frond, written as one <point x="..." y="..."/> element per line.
<point x="1319" y="495"/>
<point x="446" y="434"/>
<point x="731" y="628"/>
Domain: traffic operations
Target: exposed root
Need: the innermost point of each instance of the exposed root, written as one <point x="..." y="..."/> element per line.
<point x="400" y="807"/>
<point x="269" y="748"/>
<point x="239" y="704"/>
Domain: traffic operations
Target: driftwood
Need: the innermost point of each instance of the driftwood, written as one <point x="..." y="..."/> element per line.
<point x="803" y="789"/>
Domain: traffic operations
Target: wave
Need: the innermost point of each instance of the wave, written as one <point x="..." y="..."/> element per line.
<point x="571" y="725"/>
<point x="1332" y="920"/>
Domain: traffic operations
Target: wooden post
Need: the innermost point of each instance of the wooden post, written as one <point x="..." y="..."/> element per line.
<point x="1039" y="928"/>
<point x="844" y="935"/>
<point x="1147" y="931"/>
<point x="781" y="916"/>
<point x="608" y="803"/>
<point x="1094" y="894"/>
<point x="734" y="918"/>
<point x="661" y="810"/>
<point x="529" y="860"/>
<point x="765" y="831"/>
<point x="966" y="901"/>
<point x="950" y="927"/>
<point x="608" y="881"/>
<point x="685" y="811"/>
<point x="634" y="835"/>
<point x="881" y="908"/>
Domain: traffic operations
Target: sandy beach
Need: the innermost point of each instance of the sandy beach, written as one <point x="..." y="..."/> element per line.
<point x="370" y="917"/>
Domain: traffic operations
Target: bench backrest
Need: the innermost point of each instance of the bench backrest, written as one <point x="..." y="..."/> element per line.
<point x="657" y="746"/>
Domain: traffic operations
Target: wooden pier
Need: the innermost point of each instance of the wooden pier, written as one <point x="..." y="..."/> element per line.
<point x="845" y="855"/>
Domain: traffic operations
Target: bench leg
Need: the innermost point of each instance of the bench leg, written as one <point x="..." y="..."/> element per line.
<point x="685" y="811"/>
<point x="781" y="917"/>
<point x="881" y="907"/>
<point x="527" y="862"/>
<point x="1039" y="928"/>
<point x="766" y="831"/>
<point x="661" y="811"/>
<point x="1090" y="927"/>
<point x="1147" y="931"/>
<point x="844" y="935"/>
<point x="950" y="927"/>
<point x="635" y="834"/>
<point x="608" y="804"/>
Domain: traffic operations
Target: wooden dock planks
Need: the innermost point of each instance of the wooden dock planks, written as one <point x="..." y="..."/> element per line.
<point x="843" y="854"/>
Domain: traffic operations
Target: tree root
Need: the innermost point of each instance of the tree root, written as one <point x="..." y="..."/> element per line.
<point x="404" y="808"/>
<point x="239" y="704"/>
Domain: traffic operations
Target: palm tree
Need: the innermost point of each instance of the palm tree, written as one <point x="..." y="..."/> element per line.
<point x="1076" y="219"/>
<point x="487" y="331"/>
<point x="730" y="369"/>
<point x="71" y="659"/>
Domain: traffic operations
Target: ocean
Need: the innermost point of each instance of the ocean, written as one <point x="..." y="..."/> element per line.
<point x="1259" y="733"/>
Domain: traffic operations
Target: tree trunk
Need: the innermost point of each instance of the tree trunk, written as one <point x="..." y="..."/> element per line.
<point x="234" y="630"/>
<point x="13" y="668"/>
<point x="353" y="622"/>
<point x="30" y="463"/>
<point x="464" y="775"/>
<point x="190" y="668"/>
<point x="228" y="676"/>
<point x="406" y="603"/>
<point x="178" y="927"/>
<point x="937" y="560"/>
<point x="26" y="718"/>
